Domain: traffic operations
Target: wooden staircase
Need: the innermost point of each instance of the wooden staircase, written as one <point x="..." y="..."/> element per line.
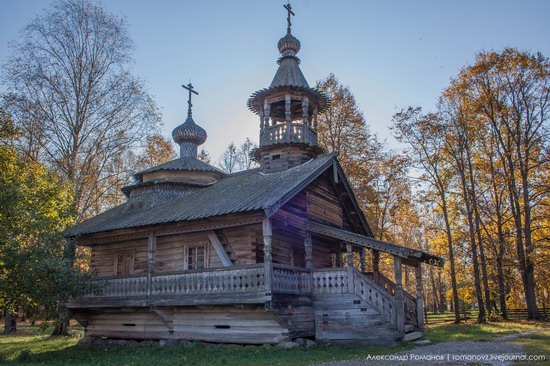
<point x="349" y="319"/>
<point x="350" y="307"/>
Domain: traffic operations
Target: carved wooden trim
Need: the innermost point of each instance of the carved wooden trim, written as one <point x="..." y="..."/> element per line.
<point x="372" y="243"/>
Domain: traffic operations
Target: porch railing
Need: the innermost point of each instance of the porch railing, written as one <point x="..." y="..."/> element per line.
<point x="389" y="287"/>
<point x="245" y="278"/>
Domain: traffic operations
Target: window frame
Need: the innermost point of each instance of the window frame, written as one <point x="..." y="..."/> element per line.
<point x="206" y="259"/>
<point x="123" y="253"/>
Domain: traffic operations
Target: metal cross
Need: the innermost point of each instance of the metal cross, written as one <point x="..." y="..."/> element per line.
<point x="190" y="88"/>
<point x="289" y="9"/>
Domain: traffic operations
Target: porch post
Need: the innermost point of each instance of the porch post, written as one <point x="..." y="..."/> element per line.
<point x="399" y="305"/>
<point x="309" y="250"/>
<point x="363" y="259"/>
<point x="349" y="258"/>
<point x="268" y="260"/>
<point x="375" y="264"/>
<point x="151" y="246"/>
<point x="419" y="300"/>
<point x="339" y="255"/>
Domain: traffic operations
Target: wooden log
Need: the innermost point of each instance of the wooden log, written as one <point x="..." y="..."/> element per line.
<point x="419" y="300"/>
<point x="218" y="247"/>
<point x="399" y="306"/>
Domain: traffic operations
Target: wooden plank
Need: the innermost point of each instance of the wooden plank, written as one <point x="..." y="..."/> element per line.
<point x="218" y="247"/>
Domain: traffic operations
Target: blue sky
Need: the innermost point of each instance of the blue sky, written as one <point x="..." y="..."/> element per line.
<point x="392" y="54"/>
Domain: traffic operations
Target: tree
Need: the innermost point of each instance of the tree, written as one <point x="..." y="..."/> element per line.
<point x="235" y="159"/>
<point x="34" y="209"/>
<point x="228" y="160"/>
<point x="72" y="95"/>
<point x="157" y="150"/>
<point x="204" y="156"/>
<point x="422" y="134"/>
<point x="511" y="94"/>
<point x="245" y="160"/>
<point x="342" y="129"/>
<point x="76" y="102"/>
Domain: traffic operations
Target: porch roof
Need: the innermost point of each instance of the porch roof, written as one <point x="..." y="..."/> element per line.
<point x="411" y="254"/>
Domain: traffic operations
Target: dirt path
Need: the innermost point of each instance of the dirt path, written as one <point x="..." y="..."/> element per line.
<point x="499" y="352"/>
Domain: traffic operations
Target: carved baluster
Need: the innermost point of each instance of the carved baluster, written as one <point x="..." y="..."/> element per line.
<point x="288" y="116"/>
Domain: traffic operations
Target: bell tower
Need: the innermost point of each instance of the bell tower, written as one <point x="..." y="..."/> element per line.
<point x="288" y="111"/>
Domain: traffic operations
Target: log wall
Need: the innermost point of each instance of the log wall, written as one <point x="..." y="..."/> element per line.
<point x="249" y="324"/>
<point x="241" y="243"/>
<point x="103" y="257"/>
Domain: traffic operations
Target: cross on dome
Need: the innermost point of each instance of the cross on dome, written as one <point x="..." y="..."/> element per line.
<point x="191" y="91"/>
<point x="289" y="10"/>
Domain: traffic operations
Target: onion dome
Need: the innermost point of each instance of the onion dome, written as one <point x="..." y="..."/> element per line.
<point x="189" y="132"/>
<point x="289" y="45"/>
<point x="189" y="135"/>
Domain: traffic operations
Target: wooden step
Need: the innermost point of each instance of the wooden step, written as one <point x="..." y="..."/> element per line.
<point x="409" y="328"/>
<point x="412" y="336"/>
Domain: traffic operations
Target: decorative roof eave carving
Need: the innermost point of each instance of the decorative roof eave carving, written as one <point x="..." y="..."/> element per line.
<point x="322" y="100"/>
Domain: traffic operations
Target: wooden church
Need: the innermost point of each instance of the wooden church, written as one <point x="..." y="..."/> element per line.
<point x="260" y="256"/>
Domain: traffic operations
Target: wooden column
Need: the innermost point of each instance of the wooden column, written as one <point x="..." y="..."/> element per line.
<point x="151" y="247"/>
<point x="339" y="255"/>
<point x="305" y="116"/>
<point x="419" y="299"/>
<point x="309" y="250"/>
<point x="375" y="264"/>
<point x="363" y="259"/>
<point x="399" y="304"/>
<point x="288" y="116"/>
<point x="349" y="258"/>
<point x="268" y="259"/>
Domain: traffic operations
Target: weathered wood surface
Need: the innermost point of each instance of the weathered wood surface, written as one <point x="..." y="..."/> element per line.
<point x="410" y="302"/>
<point x="280" y="133"/>
<point x="346" y="319"/>
<point x="224" y="324"/>
<point x="291" y="279"/>
<point x="412" y="255"/>
<point x="170" y="287"/>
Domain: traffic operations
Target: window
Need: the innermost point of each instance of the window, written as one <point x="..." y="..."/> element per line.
<point x="196" y="257"/>
<point x="124" y="263"/>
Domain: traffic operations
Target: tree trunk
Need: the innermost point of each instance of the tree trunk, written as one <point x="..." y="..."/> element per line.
<point x="62" y="324"/>
<point x="442" y="290"/>
<point x="530" y="294"/>
<point x="434" y="291"/>
<point x="10" y="322"/>
<point x="451" y="258"/>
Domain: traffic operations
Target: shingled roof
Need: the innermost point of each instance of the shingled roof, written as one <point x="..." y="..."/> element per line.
<point x="245" y="191"/>
<point x="182" y="164"/>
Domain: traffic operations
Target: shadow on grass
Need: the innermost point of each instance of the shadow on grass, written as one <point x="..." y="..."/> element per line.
<point x="64" y="351"/>
<point x="478" y="332"/>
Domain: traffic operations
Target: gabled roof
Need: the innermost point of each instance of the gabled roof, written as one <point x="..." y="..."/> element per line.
<point x="245" y="191"/>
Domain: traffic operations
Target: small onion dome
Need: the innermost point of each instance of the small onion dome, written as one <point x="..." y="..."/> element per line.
<point x="189" y="131"/>
<point x="289" y="45"/>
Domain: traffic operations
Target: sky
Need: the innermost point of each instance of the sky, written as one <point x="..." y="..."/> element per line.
<point x="392" y="54"/>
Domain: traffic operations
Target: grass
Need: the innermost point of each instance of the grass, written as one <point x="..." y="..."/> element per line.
<point x="469" y="331"/>
<point x="31" y="346"/>
<point x="536" y="344"/>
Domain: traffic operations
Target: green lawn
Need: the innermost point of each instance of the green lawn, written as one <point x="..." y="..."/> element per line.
<point x="34" y="348"/>
<point x="31" y="346"/>
<point x="536" y="344"/>
<point x="468" y="331"/>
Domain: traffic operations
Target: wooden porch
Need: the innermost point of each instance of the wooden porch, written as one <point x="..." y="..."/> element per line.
<point x="248" y="284"/>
